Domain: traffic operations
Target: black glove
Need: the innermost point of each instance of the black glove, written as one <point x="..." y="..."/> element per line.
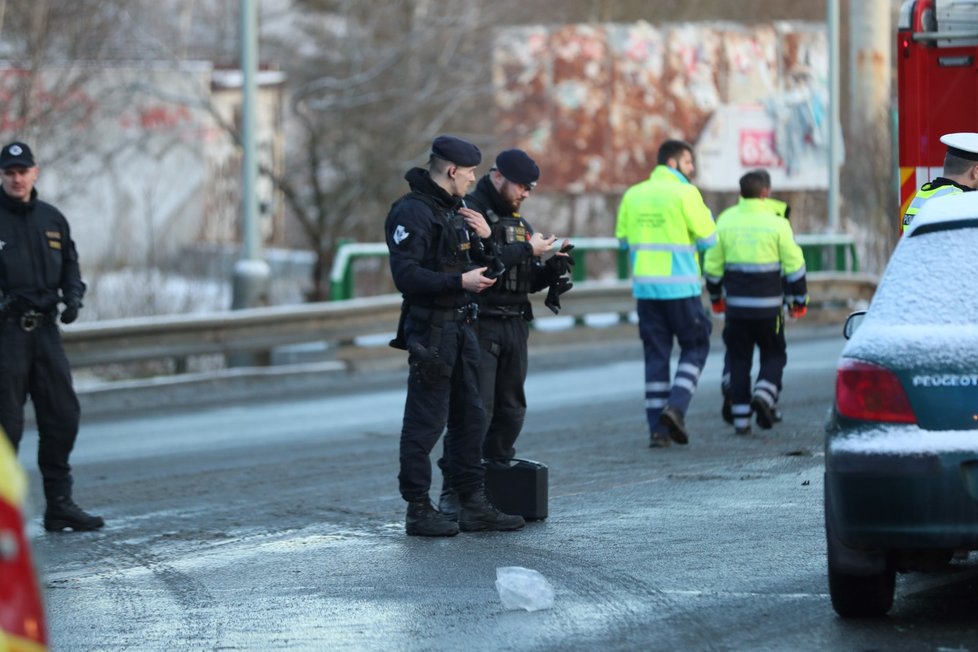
<point x="70" y="313"/>
<point x="495" y="268"/>
<point x="561" y="265"/>
<point x="557" y="288"/>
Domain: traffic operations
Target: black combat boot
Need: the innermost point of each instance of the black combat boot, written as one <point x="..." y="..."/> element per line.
<point x="448" y="503"/>
<point x="423" y="520"/>
<point x="62" y="513"/>
<point x="477" y="513"/>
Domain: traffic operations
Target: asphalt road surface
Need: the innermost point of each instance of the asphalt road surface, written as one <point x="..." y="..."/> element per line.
<point x="258" y="526"/>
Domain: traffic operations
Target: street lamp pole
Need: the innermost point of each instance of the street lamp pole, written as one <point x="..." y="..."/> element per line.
<point x="835" y="126"/>
<point x="251" y="272"/>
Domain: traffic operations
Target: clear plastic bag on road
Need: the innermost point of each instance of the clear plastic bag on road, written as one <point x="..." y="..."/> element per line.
<point x="523" y="588"/>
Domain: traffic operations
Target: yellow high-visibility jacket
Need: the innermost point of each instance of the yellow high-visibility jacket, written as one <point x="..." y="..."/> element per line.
<point x="664" y="224"/>
<point x="755" y="249"/>
<point x="939" y="187"/>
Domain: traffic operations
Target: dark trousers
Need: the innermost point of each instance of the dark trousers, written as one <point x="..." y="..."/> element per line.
<point x="35" y="363"/>
<point x="740" y="337"/>
<point x="659" y="322"/>
<point x="725" y="377"/>
<point x="502" y="374"/>
<point x="443" y="389"/>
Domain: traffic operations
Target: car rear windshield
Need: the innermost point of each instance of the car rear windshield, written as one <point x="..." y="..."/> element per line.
<point x="930" y="279"/>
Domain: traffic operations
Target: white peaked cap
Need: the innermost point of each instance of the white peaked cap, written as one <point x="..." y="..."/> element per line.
<point x="963" y="144"/>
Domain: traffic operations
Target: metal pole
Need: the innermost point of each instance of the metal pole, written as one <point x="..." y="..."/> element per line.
<point x="869" y="85"/>
<point x="835" y="126"/>
<point x="250" y="272"/>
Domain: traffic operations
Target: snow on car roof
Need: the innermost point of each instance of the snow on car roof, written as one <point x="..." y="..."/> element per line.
<point x="905" y="440"/>
<point x="949" y="208"/>
<point x="923" y="311"/>
<point x="926" y="280"/>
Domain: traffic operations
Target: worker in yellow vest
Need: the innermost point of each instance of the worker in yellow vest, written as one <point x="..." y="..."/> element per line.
<point x="755" y="258"/>
<point x="664" y="225"/>
<point x="960" y="174"/>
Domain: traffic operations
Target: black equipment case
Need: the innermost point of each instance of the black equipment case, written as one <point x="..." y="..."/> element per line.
<point x="518" y="487"/>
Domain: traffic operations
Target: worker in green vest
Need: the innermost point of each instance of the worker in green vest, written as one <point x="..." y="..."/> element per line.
<point x="960" y="174"/>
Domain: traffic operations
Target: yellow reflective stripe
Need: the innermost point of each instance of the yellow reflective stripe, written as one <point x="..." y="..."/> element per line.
<point x="13" y="482"/>
<point x="12" y="643"/>
<point x="923" y="196"/>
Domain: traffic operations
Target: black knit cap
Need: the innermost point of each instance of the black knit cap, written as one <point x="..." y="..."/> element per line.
<point x="16" y="155"/>
<point x="517" y="166"/>
<point x="457" y="151"/>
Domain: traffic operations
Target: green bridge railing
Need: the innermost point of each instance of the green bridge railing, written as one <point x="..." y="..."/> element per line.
<point x="823" y="252"/>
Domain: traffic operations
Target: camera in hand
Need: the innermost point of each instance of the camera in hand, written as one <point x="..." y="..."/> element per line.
<point x="484" y="256"/>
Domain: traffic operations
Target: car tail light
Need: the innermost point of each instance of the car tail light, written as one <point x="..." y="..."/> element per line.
<point x="867" y="391"/>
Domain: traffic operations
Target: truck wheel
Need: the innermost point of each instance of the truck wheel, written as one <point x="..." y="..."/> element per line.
<point x="861" y="596"/>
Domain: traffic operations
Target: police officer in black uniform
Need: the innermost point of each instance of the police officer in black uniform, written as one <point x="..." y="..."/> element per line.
<point x="38" y="270"/>
<point x="504" y="308"/>
<point x="434" y="245"/>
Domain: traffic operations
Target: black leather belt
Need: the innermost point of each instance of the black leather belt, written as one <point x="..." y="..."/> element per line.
<point x="28" y="320"/>
<point x="503" y="312"/>
<point x="467" y="313"/>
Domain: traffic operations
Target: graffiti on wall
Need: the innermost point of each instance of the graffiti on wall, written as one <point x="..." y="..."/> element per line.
<point x="592" y="103"/>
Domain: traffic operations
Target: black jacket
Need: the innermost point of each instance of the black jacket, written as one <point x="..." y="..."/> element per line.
<point x="38" y="260"/>
<point x="425" y="258"/>
<point x="510" y="237"/>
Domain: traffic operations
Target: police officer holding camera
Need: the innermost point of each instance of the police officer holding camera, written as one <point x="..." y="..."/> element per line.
<point x="439" y="273"/>
<point x="504" y="308"/>
<point x="38" y="270"/>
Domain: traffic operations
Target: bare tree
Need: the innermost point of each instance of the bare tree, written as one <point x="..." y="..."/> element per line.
<point x="48" y="47"/>
<point x="385" y="78"/>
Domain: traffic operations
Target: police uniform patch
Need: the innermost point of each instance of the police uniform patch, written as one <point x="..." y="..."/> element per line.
<point x="54" y="244"/>
<point x="53" y="234"/>
<point x="516" y="234"/>
<point x="400" y="234"/>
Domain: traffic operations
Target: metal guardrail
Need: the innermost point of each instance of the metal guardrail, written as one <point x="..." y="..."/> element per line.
<point x="341" y="275"/>
<point x="828" y="251"/>
<point x="340" y="323"/>
<point x="822" y="252"/>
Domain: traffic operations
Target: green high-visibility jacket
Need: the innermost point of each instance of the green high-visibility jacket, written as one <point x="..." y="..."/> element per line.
<point x="755" y="249"/>
<point x="939" y="187"/>
<point x="664" y="224"/>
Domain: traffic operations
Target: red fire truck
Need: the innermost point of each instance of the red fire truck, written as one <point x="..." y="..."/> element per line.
<point x="937" y="63"/>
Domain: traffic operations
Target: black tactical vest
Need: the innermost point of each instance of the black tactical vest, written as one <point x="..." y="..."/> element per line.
<point x="451" y="243"/>
<point x="507" y="230"/>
